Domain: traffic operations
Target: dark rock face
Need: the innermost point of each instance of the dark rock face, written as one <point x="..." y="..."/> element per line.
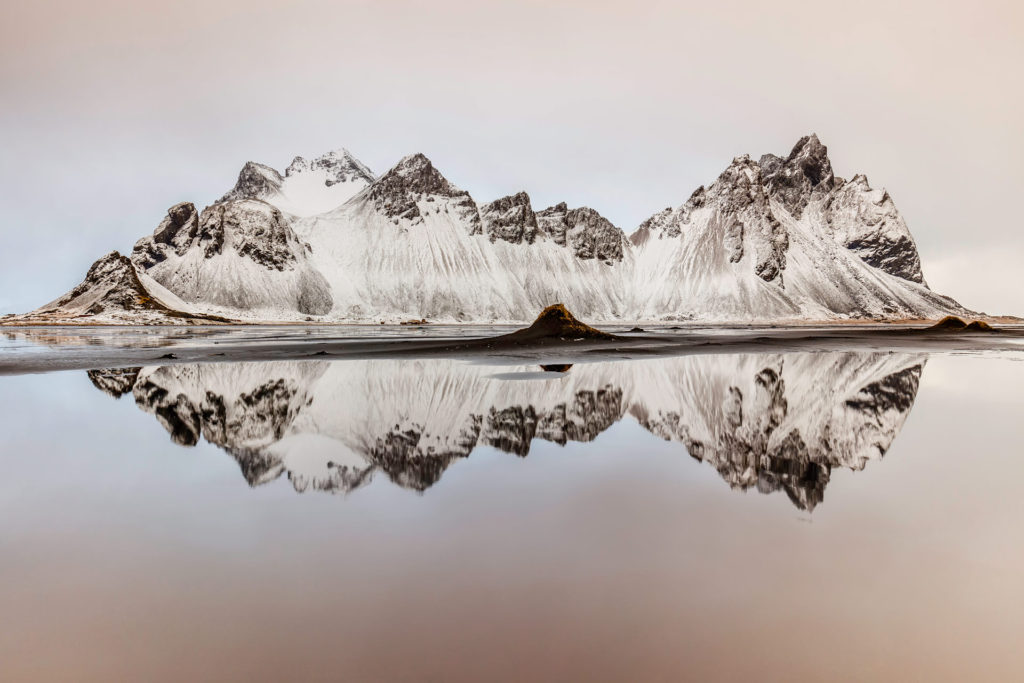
<point x="267" y="240"/>
<point x="867" y="223"/>
<point x="260" y="414"/>
<point x="893" y="393"/>
<point x="589" y="234"/>
<point x="511" y="219"/>
<point x="583" y="419"/>
<point x="805" y="172"/>
<point x="592" y="236"/>
<point x="178" y="415"/>
<point x="553" y="222"/>
<point x="257" y="231"/>
<point x="398" y="193"/>
<point x="114" y="382"/>
<point x="744" y="213"/>
<point x="179" y="217"/>
<point x="255" y="181"/>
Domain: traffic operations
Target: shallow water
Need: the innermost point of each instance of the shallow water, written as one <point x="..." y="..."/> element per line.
<point x="778" y="516"/>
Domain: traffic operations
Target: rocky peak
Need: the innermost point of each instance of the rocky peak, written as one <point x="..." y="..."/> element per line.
<point x="339" y="166"/>
<point x="511" y="219"/>
<point x="740" y="186"/>
<point x="589" y="234"/>
<point x="398" y="193"/>
<point x="742" y="214"/>
<point x="255" y="181"/>
<point x="179" y="217"/>
<point x="793" y="181"/>
<point x="592" y="236"/>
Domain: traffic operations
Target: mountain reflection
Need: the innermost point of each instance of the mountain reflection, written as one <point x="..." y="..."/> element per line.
<point x="772" y="422"/>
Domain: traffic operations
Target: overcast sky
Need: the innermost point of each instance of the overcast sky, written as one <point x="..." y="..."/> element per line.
<point x="113" y="110"/>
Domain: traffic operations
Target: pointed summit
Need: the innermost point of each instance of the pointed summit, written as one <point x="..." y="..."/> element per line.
<point x="805" y="172"/>
<point x="337" y="166"/>
<point x="255" y="181"/>
<point x="398" y="194"/>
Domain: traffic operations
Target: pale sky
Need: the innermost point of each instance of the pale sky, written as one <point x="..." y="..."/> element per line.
<point x="113" y="110"/>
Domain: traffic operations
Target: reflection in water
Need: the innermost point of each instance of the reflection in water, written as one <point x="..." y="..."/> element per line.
<point x="768" y="421"/>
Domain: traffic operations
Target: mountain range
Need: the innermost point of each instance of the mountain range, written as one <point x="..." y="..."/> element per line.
<point x="768" y="422"/>
<point x="777" y="239"/>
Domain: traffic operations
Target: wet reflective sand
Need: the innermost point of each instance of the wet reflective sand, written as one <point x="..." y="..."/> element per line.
<point x="772" y="516"/>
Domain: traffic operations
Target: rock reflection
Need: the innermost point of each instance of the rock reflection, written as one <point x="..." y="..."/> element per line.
<point x="769" y="422"/>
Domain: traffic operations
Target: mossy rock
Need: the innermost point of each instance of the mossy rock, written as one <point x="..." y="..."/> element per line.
<point x="556" y="322"/>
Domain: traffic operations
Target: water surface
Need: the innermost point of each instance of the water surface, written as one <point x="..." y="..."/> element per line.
<point x="778" y="516"/>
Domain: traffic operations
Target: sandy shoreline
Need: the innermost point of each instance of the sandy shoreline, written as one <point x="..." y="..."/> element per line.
<point x="50" y="348"/>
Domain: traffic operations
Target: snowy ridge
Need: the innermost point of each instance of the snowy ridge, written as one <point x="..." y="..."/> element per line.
<point x="307" y="187"/>
<point x="414" y="242"/>
<point x="771" y="422"/>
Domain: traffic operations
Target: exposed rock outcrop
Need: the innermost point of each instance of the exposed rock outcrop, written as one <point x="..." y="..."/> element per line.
<point x="238" y="254"/>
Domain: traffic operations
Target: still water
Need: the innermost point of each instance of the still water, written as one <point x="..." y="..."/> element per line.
<point x="792" y="516"/>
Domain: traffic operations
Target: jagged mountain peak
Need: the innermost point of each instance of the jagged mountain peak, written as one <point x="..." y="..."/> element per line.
<point x="587" y="232"/>
<point x="255" y="181"/>
<point x="338" y="165"/>
<point x="414" y="179"/>
<point x="805" y="173"/>
<point x="510" y="218"/>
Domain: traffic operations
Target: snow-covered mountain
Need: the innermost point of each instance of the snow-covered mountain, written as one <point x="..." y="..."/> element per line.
<point x="778" y="239"/>
<point x="767" y="421"/>
<point x="782" y="239"/>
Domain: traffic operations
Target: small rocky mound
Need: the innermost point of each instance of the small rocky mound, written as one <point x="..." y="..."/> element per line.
<point x="557" y="323"/>
<point x="560" y="368"/>
<point x="952" y="323"/>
